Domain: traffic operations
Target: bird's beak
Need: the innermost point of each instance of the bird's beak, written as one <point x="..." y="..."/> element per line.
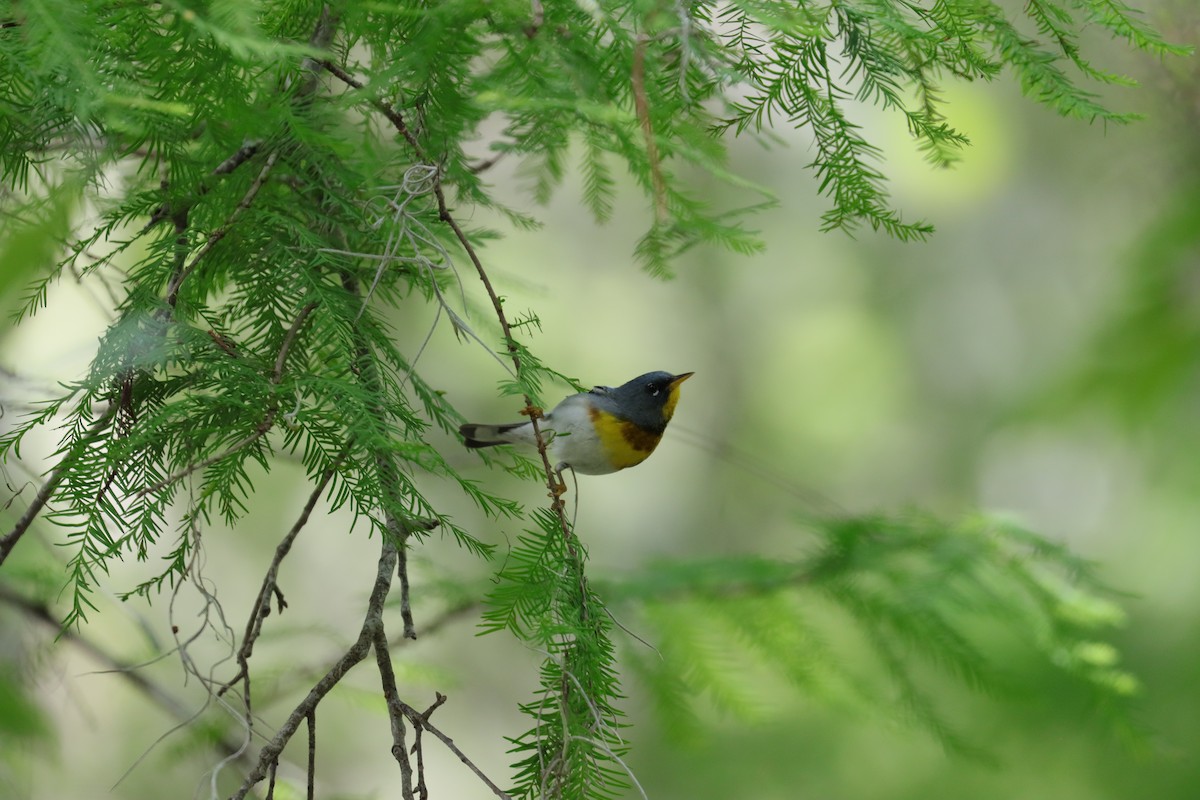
<point x="678" y="379"/>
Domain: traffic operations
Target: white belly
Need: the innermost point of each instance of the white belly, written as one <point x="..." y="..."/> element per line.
<point x="575" y="443"/>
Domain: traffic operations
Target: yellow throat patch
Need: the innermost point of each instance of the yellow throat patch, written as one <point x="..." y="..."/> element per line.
<point x="672" y="400"/>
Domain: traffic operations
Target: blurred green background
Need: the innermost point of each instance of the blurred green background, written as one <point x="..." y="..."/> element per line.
<point x="1039" y="357"/>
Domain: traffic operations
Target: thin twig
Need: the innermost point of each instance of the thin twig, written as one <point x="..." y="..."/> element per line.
<point x="422" y="789"/>
<point x="179" y="475"/>
<point x="219" y="233"/>
<point x="288" y="339"/>
<point x="417" y="718"/>
<point x="410" y="630"/>
<point x="269" y="755"/>
<point x="270" y="586"/>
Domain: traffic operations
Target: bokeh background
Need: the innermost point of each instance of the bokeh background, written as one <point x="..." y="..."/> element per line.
<point x="1039" y="357"/>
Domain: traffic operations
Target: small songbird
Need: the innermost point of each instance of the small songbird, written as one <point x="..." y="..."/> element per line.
<point x="597" y="432"/>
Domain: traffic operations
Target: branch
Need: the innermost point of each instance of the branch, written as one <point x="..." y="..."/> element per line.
<point x="553" y="482"/>
<point x="10" y="539"/>
<point x="263" y="427"/>
<point x="262" y="604"/>
<point x="394" y="540"/>
<point x="397" y="119"/>
<point x="268" y="757"/>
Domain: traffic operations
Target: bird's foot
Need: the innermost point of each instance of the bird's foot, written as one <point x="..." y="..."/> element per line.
<point x="559" y="486"/>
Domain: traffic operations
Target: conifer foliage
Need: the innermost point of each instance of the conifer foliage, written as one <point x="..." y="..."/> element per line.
<point x="257" y="184"/>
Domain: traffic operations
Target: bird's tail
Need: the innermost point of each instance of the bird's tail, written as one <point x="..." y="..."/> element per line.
<point x="475" y="435"/>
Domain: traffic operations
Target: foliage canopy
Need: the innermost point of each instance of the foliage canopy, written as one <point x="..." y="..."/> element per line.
<point x="265" y="181"/>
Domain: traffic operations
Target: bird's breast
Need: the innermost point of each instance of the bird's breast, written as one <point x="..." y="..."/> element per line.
<point x="624" y="443"/>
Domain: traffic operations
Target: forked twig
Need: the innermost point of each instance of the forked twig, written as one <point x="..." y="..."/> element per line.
<point x="268" y="756"/>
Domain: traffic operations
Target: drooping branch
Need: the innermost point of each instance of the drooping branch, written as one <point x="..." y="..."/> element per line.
<point x="261" y="429"/>
<point x="56" y="476"/>
<point x="397" y="119"/>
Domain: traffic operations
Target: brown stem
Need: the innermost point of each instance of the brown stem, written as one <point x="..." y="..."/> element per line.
<point x="372" y="621"/>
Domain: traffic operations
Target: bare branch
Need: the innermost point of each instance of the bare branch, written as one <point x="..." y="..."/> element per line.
<point x="410" y="631"/>
<point x="270" y="586"/>
<point x="396" y="711"/>
<point x="372" y="621"/>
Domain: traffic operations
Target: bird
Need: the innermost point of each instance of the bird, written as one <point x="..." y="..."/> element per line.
<point x="597" y="432"/>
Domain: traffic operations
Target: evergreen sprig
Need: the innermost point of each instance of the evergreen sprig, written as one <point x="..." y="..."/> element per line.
<point x="574" y="747"/>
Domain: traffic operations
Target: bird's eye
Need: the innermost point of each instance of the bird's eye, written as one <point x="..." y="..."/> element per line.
<point x="653" y="389"/>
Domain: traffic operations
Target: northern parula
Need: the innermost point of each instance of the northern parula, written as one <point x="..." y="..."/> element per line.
<point x="600" y="431"/>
